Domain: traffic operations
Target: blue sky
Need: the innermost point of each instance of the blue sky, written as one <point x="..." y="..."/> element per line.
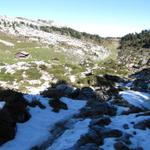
<point x="103" y="17"/>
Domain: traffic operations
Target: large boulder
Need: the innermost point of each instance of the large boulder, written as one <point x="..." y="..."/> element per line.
<point x="97" y="134"/>
<point x="14" y="110"/>
<point x="35" y="103"/>
<point x="53" y="93"/>
<point x="106" y="132"/>
<point x="143" y="124"/>
<point x="118" y="100"/>
<point x="75" y="94"/>
<point x="105" y="89"/>
<point x="87" y="93"/>
<point x="141" y="80"/>
<point x="65" y="88"/>
<point x="132" y="109"/>
<point x="125" y="138"/>
<point x="96" y="109"/>
<point x="16" y="105"/>
<point x="7" y="126"/>
<point x="143" y="74"/>
<point x="141" y="85"/>
<point x="91" y="137"/>
<point x="102" y="121"/>
<point x="113" y="78"/>
<point x="57" y="105"/>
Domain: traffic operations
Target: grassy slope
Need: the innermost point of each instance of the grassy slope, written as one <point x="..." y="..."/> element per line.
<point x="57" y="58"/>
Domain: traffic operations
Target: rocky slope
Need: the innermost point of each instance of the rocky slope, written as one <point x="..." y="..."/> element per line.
<point x="135" y="50"/>
<point x="36" y="53"/>
<point x="33" y="30"/>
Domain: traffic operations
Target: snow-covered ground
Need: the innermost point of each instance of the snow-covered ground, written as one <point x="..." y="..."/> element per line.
<point x="141" y="139"/>
<point x="36" y="130"/>
<point x="139" y="99"/>
<point x="71" y="136"/>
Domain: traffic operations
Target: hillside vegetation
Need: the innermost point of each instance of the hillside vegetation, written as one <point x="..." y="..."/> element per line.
<point x="135" y="50"/>
<point x="54" y="53"/>
<point x="136" y="40"/>
<point x="73" y="33"/>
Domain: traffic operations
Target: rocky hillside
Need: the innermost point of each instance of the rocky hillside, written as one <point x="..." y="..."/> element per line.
<point x="135" y="50"/>
<point x="62" y="39"/>
<point x="36" y="53"/>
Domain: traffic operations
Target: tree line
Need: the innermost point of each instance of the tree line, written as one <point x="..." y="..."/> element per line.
<point x="71" y="32"/>
<point x="136" y="40"/>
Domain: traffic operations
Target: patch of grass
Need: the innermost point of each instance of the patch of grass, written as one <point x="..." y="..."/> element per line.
<point x="18" y="75"/>
<point x="11" y="77"/>
<point x="6" y="77"/>
<point x="33" y="74"/>
<point x="75" y="68"/>
<point x="56" y="70"/>
<point x="112" y="45"/>
<point x="46" y="54"/>
<point x="111" y="67"/>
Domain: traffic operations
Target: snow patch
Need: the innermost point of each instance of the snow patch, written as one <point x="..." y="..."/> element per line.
<point x="2" y="105"/>
<point x="138" y="99"/>
<point x="71" y="136"/>
<point x="138" y="140"/>
<point x="36" y="130"/>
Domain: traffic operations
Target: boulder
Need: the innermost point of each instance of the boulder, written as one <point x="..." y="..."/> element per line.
<point x="132" y="110"/>
<point x="125" y="138"/>
<point x="89" y="146"/>
<point x="106" y="132"/>
<point x="35" y="103"/>
<point x="87" y="93"/>
<point x="65" y="88"/>
<point x="118" y="100"/>
<point x="16" y="105"/>
<point x="142" y="124"/>
<point x="95" y="109"/>
<point x="147" y="113"/>
<point x="7" y="126"/>
<point x="126" y="126"/>
<point x="75" y="94"/>
<point x="57" y="105"/>
<point x="141" y="85"/>
<point x="121" y="146"/>
<point x="144" y="73"/>
<point x="53" y="93"/>
<point x="105" y="89"/>
<point x="113" y="78"/>
<point x="91" y="137"/>
<point x="112" y="133"/>
<point x="102" y="121"/>
<point x="141" y="80"/>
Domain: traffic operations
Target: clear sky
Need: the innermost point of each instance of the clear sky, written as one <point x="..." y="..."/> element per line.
<point x="103" y="17"/>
